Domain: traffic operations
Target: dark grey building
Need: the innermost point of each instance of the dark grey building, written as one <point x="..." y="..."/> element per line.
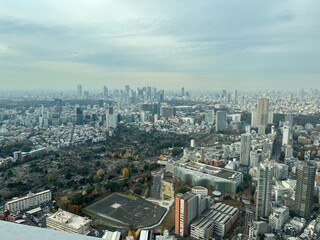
<point x="306" y="173"/>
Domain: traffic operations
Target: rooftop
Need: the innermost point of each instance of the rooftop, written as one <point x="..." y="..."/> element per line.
<point x="23" y="232"/>
<point x="70" y="219"/>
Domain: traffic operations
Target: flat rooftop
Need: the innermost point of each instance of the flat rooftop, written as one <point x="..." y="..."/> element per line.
<point x="69" y="219"/>
<point x="212" y="170"/>
<point x="128" y="210"/>
<point x="22" y="232"/>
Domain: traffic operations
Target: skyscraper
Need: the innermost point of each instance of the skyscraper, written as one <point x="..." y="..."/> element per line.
<point x="105" y="91"/>
<point x="79" y="90"/>
<point x="245" y="149"/>
<point x="262" y="111"/>
<point x="188" y="207"/>
<point x="186" y="210"/>
<point x="264" y="190"/>
<point x="286" y="135"/>
<point x="221" y="120"/>
<point x="306" y="173"/>
<point x="182" y="91"/>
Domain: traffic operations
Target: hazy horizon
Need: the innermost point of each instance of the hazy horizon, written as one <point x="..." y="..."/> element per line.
<point x="200" y="45"/>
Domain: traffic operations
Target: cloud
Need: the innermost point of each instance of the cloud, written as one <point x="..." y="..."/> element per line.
<point x="204" y="40"/>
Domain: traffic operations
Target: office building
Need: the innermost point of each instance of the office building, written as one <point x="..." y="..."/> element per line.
<point x="225" y="180"/>
<point x="306" y="173"/>
<point x="182" y="91"/>
<point x="223" y="217"/>
<point x="105" y="92"/>
<point x="186" y="210"/>
<point x="168" y="111"/>
<point x="286" y="135"/>
<point x="209" y="117"/>
<point x="235" y="96"/>
<point x="30" y="201"/>
<point x="264" y="191"/>
<point x="189" y="206"/>
<point x="221" y="121"/>
<point x="245" y="149"/>
<point x="262" y="116"/>
<point x="202" y="228"/>
<point x="69" y="222"/>
<point x="79" y="90"/>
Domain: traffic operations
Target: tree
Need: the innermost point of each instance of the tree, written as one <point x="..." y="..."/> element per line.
<point x="125" y="172"/>
<point x="176" y="152"/>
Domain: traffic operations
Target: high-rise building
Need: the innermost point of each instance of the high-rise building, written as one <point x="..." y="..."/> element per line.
<point x="105" y="92"/>
<point x="262" y="113"/>
<point x="249" y="218"/>
<point x="189" y="206"/>
<point x="235" y="96"/>
<point x="186" y="210"/>
<point x="168" y="111"/>
<point x="245" y="149"/>
<point x="264" y="190"/>
<point x="286" y="135"/>
<point x="221" y="120"/>
<point x="182" y="91"/>
<point x="306" y="173"/>
<point x="79" y="90"/>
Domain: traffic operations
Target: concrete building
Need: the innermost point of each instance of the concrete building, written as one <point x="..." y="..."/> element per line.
<point x="186" y="210"/>
<point x="245" y="149"/>
<point x="264" y="191"/>
<point x="202" y="228"/>
<point x="79" y="88"/>
<point x="261" y="115"/>
<point x="278" y="217"/>
<point x="29" y="201"/>
<point x="189" y="206"/>
<point x="199" y="174"/>
<point x="165" y="236"/>
<point x="168" y="111"/>
<point x="108" y="235"/>
<point x="286" y="135"/>
<point x="221" y="121"/>
<point x="223" y="217"/>
<point x="306" y="173"/>
<point x="199" y="190"/>
<point x="69" y="222"/>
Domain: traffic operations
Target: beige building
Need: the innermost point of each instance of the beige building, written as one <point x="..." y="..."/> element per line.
<point x="29" y="201"/>
<point x="69" y="222"/>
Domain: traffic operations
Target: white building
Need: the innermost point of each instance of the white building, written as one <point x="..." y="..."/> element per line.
<point x="165" y="236"/>
<point x="199" y="190"/>
<point x="69" y="222"/>
<point x="29" y="201"/>
<point x="279" y="217"/>
<point x="245" y="149"/>
<point x="108" y="235"/>
<point x="286" y="135"/>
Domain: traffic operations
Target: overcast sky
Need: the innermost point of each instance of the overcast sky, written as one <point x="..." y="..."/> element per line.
<point x="168" y="44"/>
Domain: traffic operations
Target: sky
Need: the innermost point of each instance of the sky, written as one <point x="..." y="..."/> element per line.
<point x="201" y="45"/>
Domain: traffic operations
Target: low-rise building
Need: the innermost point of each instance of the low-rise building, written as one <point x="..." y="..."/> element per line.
<point x="69" y="222"/>
<point x="202" y="228"/>
<point x="279" y="217"/>
<point x="29" y="201"/>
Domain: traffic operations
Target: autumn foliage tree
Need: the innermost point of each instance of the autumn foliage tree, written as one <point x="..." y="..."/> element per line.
<point x="125" y="172"/>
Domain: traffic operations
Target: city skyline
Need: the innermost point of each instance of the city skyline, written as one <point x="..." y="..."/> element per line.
<point x="218" y="45"/>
